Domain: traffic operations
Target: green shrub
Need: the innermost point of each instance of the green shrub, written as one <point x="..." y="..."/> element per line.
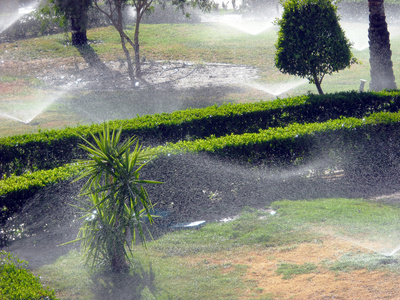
<point x="14" y="190"/>
<point x="18" y="283"/>
<point x="361" y="147"/>
<point x="311" y="43"/>
<point x="50" y="149"/>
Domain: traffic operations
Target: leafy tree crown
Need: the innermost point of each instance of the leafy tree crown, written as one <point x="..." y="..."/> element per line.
<point x="311" y="42"/>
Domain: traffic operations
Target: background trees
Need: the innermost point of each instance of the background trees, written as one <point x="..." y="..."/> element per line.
<point x="113" y="9"/>
<point x="74" y="12"/>
<point x="311" y="42"/>
<point x="380" y="59"/>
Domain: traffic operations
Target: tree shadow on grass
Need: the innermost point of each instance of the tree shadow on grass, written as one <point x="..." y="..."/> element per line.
<point x="135" y="285"/>
<point x="91" y="57"/>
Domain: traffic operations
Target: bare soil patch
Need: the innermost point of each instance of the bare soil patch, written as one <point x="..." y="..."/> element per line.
<point x="265" y="283"/>
<point x="113" y="75"/>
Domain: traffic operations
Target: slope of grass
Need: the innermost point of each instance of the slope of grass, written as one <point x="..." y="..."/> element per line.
<point x="173" y="268"/>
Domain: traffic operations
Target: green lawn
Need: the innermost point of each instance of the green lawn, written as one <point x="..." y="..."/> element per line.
<point x="175" y="266"/>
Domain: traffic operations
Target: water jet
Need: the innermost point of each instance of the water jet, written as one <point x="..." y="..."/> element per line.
<point x="253" y="27"/>
<point x="25" y="109"/>
<point x="277" y="89"/>
<point x="9" y="19"/>
<point x="394" y="251"/>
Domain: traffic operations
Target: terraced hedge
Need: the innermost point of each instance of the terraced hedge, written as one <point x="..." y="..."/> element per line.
<point x="354" y="144"/>
<point x="50" y="149"/>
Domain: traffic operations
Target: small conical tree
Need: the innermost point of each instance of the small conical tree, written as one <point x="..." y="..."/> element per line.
<point x="311" y="42"/>
<point x="116" y="199"/>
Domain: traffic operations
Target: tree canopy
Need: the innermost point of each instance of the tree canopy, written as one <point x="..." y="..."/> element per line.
<point x="73" y="12"/>
<point x="311" y="42"/>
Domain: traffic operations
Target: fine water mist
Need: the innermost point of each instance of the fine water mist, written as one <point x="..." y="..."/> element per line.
<point x="357" y="33"/>
<point x="277" y="89"/>
<point x="26" y="108"/>
<point x="253" y="27"/>
<point x="197" y="187"/>
<point x="9" y="19"/>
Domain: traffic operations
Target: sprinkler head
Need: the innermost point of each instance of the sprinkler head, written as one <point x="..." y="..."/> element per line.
<point x="362" y="85"/>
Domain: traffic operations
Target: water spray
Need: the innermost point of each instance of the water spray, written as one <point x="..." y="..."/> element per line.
<point x="394" y="251"/>
<point x="277" y="89"/>
<point x="7" y="21"/>
<point x="30" y="109"/>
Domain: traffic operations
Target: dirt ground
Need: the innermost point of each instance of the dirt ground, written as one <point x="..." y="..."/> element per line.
<point x="112" y="75"/>
<point x="320" y="284"/>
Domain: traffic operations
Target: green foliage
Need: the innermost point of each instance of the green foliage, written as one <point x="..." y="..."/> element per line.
<point x="311" y="42"/>
<point x="285" y="144"/>
<point x="53" y="148"/>
<point x="18" y="283"/>
<point x="14" y="190"/>
<point x="342" y="142"/>
<point x="117" y="198"/>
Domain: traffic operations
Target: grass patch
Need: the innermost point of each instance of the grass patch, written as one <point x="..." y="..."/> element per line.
<point x="289" y="270"/>
<point x="355" y="217"/>
<point x="253" y="227"/>
<point x="182" y="278"/>
<point x="68" y="277"/>
<point x="357" y="261"/>
<point x="179" y="265"/>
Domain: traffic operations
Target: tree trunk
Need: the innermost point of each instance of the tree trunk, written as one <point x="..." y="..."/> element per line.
<point x="380" y="60"/>
<point x="120" y="27"/>
<point x="136" y="44"/>
<point x="118" y="262"/>
<point x="78" y="27"/>
<point x="317" y="82"/>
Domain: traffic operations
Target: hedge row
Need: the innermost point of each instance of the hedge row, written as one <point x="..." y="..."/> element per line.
<point x="49" y="149"/>
<point x="345" y="142"/>
<point x="14" y="190"/>
<point x="18" y="283"/>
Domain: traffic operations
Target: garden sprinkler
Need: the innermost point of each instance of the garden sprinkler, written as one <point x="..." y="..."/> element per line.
<point x="362" y="84"/>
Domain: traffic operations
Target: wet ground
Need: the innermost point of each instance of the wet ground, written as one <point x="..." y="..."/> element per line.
<point x="65" y="92"/>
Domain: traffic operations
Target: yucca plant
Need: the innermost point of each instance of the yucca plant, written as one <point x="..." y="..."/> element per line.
<point x="115" y="199"/>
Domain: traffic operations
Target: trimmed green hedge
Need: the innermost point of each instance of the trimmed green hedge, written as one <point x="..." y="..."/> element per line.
<point x="347" y="142"/>
<point x="18" y="283"/>
<point x="271" y="140"/>
<point x="49" y="149"/>
<point x="14" y="190"/>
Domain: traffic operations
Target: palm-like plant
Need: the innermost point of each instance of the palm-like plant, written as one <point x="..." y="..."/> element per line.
<point x="117" y="199"/>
